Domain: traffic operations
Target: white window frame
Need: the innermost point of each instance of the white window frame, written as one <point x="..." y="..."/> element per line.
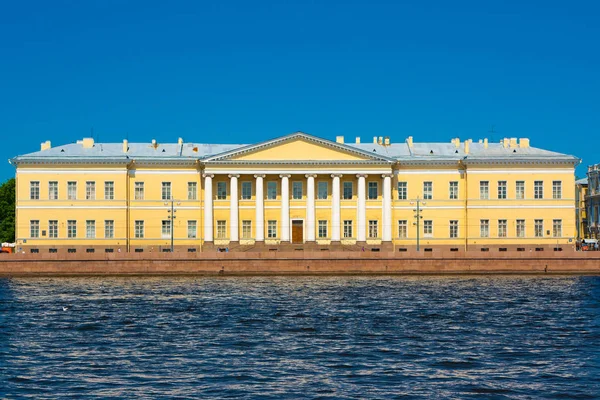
<point x="53" y="228"/>
<point x="372" y="185"/>
<point x="344" y="187"/>
<point x="34" y="190"/>
<point x="557" y="190"/>
<point x="221" y="190"/>
<point x="71" y="190"/>
<point x="246" y="190"/>
<point x="557" y="228"/>
<point x="90" y="190"/>
<point x="373" y="229"/>
<point x="402" y="189"/>
<point x="453" y="229"/>
<point x="538" y="228"/>
<point x="484" y="228"/>
<point x="538" y="190"/>
<point x="139" y="191"/>
<point x="109" y="229"/>
<point x="402" y="229"/>
<point x="428" y="228"/>
<point x="165" y="229"/>
<point x="322" y="232"/>
<point x="247" y="229"/>
<point x="520" y="227"/>
<point x="165" y="191"/>
<point x="192" y="229"/>
<point x="297" y="190"/>
<point x="502" y="190"/>
<point x="484" y="190"/>
<point x="453" y="189"/>
<point x="90" y="229"/>
<point x="320" y="186"/>
<point x="53" y="190"/>
<point x="520" y="190"/>
<point x="271" y="190"/>
<point x="272" y="229"/>
<point x="348" y="229"/>
<point x="109" y="190"/>
<point x="71" y="228"/>
<point x="221" y="229"/>
<point x="192" y="192"/>
<point x="502" y="228"/>
<point x="139" y="229"/>
<point x="34" y="228"/>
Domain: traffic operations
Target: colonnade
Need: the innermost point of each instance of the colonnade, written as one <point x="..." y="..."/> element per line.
<point x="284" y="229"/>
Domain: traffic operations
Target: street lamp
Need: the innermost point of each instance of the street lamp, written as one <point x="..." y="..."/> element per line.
<point x="418" y="218"/>
<point x="171" y="219"/>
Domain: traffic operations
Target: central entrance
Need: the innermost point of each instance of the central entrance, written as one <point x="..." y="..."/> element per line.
<point x="297" y="231"/>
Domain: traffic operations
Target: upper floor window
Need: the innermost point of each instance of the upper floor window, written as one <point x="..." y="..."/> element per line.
<point x="90" y="229"/>
<point x="428" y="228"/>
<point x="520" y="228"/>
<point x="402" y="190"/>
<point x="109" y="190"/>
<point x="192" y="229"/>
<point x="53" y="190"/>
<point x="538" y="226"/>
<point x="403" y="229"/>
<point x="246" y="190"/>
<point x="71" y="228"/>
<point x="221" y="190"/>
<point x="502" y="228"/>
<point x="484" y="190"/>
<point x="72" y="190"/>
<point x="347" y="195"/>
<point x="454" y="229"/>
<point x="297" y="190"/>
<point x="557" y="228"/>
<point x="166" y="228"/>
<point x="139" y="229"/>
<point x="427" y="190"/>
<point x="454" y="190"/>
<point x="373" y="189"/>
<point x="53" y="228"/>
<point x="322" y="190"/>
<point x="502" y="189"/>
<point x="347" y="228"/>
<point x="520" y="190"/>
<point x="166" y="191"/>
<point x="34" y="190"/>
<point x="271" y="190"/>
<point x="139" y="190"/>
<point x="557" y="189"/>
<point x="247" y="229"/>
<point x="484" y="228"/>
<point x="109" y="229"/>
<point x="373" y="229"/>
<point x="322" y="229"/>
<point x="90" y="190"/>
<point x="538" y="189"/>
<point x="192" y="190"/>
<point x="34" y="228"/>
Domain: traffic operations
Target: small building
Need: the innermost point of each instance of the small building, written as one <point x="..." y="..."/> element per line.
<point x="593" y="201"/>
<point x="581" y="192"/>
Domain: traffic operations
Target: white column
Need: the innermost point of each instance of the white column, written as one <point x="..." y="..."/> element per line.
<point x="208" y="208"/>
<point x="233" y="209"/>
<point x="285" y="208"/>
<point x="260" y="209"/>
<point x="387" y="207"/>
<point x="361" y="214"/>
<point x="310" y="208"/>
<point x="335" y="208"/>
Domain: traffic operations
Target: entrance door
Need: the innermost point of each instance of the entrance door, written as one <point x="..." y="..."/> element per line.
<point x="297" y="231"/>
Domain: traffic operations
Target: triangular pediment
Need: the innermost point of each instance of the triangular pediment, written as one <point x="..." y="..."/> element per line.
<point x="298" y="147"/>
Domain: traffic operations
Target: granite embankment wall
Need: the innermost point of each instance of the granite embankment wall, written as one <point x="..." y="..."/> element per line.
<point x="301" y="263"/>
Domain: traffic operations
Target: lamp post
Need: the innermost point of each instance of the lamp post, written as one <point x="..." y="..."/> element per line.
<point x="171" y="219"/>
<point x="418" y="218"/>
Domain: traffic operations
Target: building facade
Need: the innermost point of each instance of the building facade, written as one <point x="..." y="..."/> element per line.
<point x="592" y="201"/>
<point x="296" y="190"/>
<point x="581" y="193"/>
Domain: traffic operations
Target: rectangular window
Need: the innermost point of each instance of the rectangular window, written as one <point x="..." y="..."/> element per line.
<point x="221" y="229"/>
<point x="454" y="190"/>
<point x="90" y="190"/>
<point x="557" y="189"/>
<point x="53" y="229"/>
<point x="166" y="228"/>
<point x="71" y="228"/>
<point x="221" y="190"/>
<point x="192" y="229"/>
<point x="347" y="228"/>
<point x="322" y="190"/>
<point x="271" y="190"/>
<point x="34" y="190"/>
<point x="402" y="190"/>
<point x="139" y="190"/>
<point x="521" y="228"/>
<point x="373" y="189"/>
<point x="454" y="229"/>
<point x="484" y="228"/>
<point x="502" y="228"/>
<point x="538" y="189"/>
<point x="109" y="229"/>
<point x="72" y="190"/>
<point x="403" y="229"/>
<point x="53" y="190"/>
<point x="271" y="229"/>
<point x="192" y="190"/>
<point x="557" y="228"/>
<point x="246" y="229"/>
<point x="428" y="228"/>
<point x="109" y="190"/>
<point x="90" y="229"/>
<point x="502" y="189"/>
<point x="484" y="190"/>
<point x="166" y="191"/>
<point x="139" y="229"/>
<point x="322" y="229"/>
<point x="246" y="190"/>
<point x="539" y="228"/>
<point x="347" y="195"/>
<point x="427" y="190"/>
<point x="520" y="191"/>
<point x="34" y="228"/>
<point x="373" y="228"/>
<point x="297" y="190"/>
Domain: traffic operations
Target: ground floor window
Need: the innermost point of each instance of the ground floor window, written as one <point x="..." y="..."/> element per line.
<point x="538" y="225"/>
<point x="428" y="228"/>
<point x="90" y="229"/>
<point x="166" y="229"/>
<point x="484" y="228"/>
<point x="373" y="229"/>
<point x="502" y="228"/>
<point x="403" y="229"/>
<point x="557" y="228"/>
<point x="71" y="228"/>
<point x="139" y="229"/>
<point x="34" y="228"/>
<point x="53" y="229"/>
<point x="109" y="229"/>
<point x="453" y="229"/>
<point x="271" y="229"/>
<point x="322" y="229"/>
<point x="192" y="229"/>
<point x="221" y="229"/>
<point x="520" y="228"/>
<point x="348" y="228"/>
<point x="246" y="229"/>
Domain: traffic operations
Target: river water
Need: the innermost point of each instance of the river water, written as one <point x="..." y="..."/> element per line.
<point x="300" y="337"/>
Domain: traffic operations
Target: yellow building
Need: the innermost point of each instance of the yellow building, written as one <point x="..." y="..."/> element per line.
<point x="297" y="189"/>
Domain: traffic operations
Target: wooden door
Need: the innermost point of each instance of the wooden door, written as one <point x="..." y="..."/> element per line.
<point x="297" y="231"/>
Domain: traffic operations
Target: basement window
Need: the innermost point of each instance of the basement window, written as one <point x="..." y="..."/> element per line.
<point x="520" y="248"/>
<point x="375" y="249"/>
<point x="34" y="250"/>
<point x="454" y="249"/>
<point x="428" y="249"/>
<point x="485" y="249"/>
<point x="166" y="250"/>
<point x="139" y="250"/>
<point x="71" y="250"/>
<point x="108" y="250"/>
<point x="191" y="250"/>
<point x="52" y="250"/>
<point x="90" y="250"/>
<point x="558" y="249"/>
<point x="503" y="249"/>
<point x="402" y="249"/>
<point x="539" y="249"/>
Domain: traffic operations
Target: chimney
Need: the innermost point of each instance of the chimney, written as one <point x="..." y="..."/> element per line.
<point x="409" y="141"/>
<point x="358" y="140"/>
<point x="386" y="140"/>
<point x="154" y="144"/>
<point x="87" y="143"/>
<point x="339" y="139"/>
<point x="374" y="139"/>
<point x="125" y="146"/>
<point x="467" y="142"/>
<point x="46" y="145"/>
<point x="485" y="143"/>
<point x="523" y="143"/>
<point x="180" y="141"/>
<point x="513" y="142"/>
<point x="380" y="141"/>
<point x="505" y="142"/>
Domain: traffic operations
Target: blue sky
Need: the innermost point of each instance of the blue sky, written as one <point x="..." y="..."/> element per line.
<point x="245" y="71"/>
